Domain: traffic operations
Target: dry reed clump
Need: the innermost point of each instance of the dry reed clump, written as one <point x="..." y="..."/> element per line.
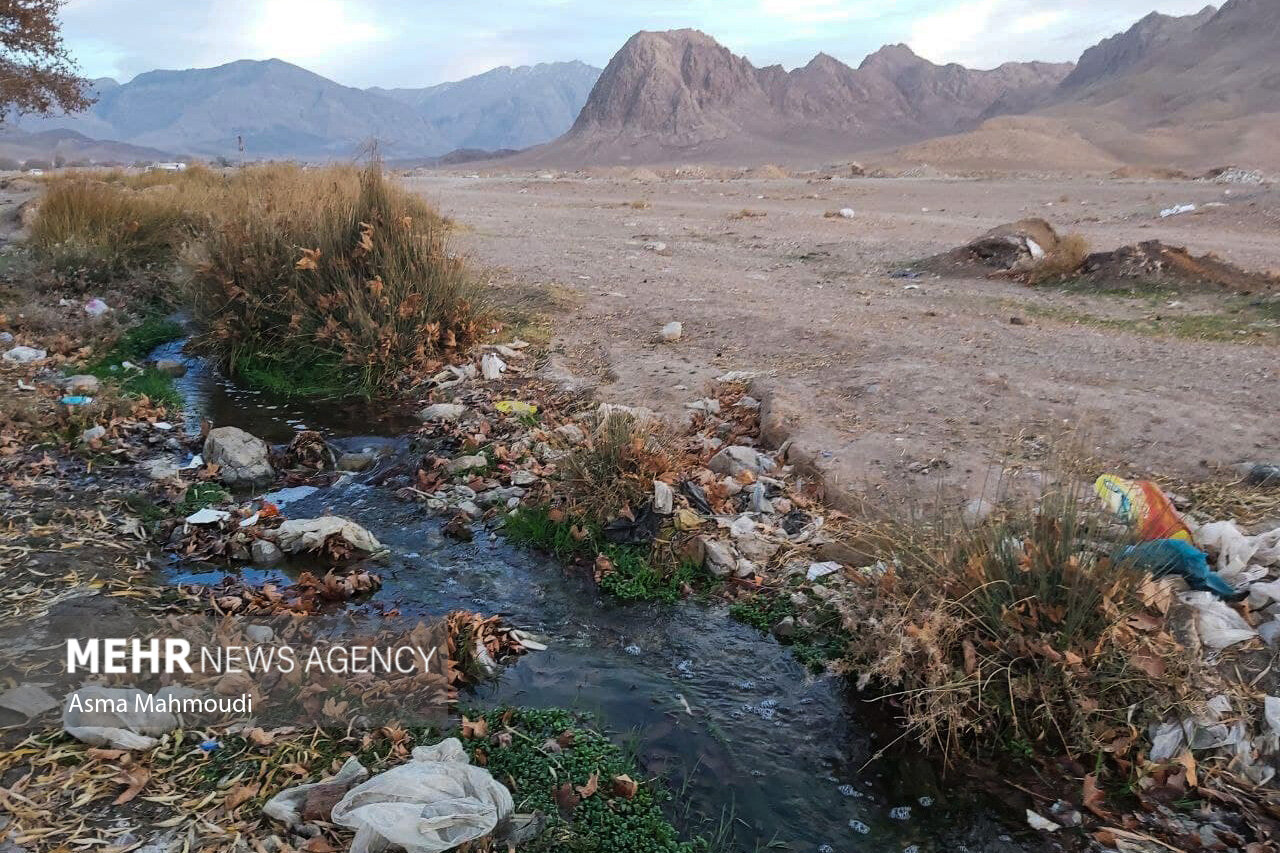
<point x="89" y="231"/>
<point x="1024" y="632"/>
<point x="1065" y="260"/>
<point x="613" y="470"/>
<point x="333" y="269"/>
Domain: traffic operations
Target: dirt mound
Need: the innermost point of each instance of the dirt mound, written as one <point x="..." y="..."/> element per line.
<point x="1010" y="247"/>
<point x="768" y="171"/>
<point x="1011" y="144"/>
<point x="1148" y="173"/>
<point x="1154" y="261"/>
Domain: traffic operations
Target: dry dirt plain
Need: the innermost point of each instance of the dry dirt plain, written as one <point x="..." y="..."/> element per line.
<point x="893" y="385"/>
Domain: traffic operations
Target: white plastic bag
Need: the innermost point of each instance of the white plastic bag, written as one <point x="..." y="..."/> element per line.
<point x="1219" y="626"/>
<point x="287" y="805"/>
<point x="1233" y="550"/>
<point x="433" y="803"/>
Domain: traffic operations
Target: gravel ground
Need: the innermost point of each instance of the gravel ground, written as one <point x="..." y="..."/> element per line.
<point x="887" y="383"/>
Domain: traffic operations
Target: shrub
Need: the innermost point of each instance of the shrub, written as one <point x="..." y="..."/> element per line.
<point x="1022" y="630"/>
<point x="334" y="267"/>
<point x="1065" y="260"/>
<point x="91" y="231"/>
<point x="615" y="467"/>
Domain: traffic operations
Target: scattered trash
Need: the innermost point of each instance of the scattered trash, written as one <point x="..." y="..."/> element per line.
<point x="24" y="355"/>
<point x="120" y="729"/>
<point x="92" y="434"/>
<point x="442" y="412"/>
<point x="1144" y="505"/>
<point x="847" y="213"/>
<point x="1177" y="210"/>
<point x="29" y="700"/>
<point x="290" y="805"/>
<point x="434" y="802"/>
<point x="1036" y="821"/>
<point x="81" y="383"/>
<point x="491" y="366"/>
<point x="671" y="332"/>
<point x="821" y="570"/>
<point x="77" y="400"/>
<point x="96" y="307"/>
<point x="312" y="534"/>
<point x="282" y="497"/>
<point x="208" y="515"/>
<point x="516" y="407"/>
<point x="655" y="246"/>
<point x="1218" y="625"/>
<point x="1164" y="557"/>
<point x="640" y="530"/>
<point x="1263" y="475"/>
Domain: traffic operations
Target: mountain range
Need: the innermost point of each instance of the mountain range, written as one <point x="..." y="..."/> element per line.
<point x="1192" y="91"/>
<point x="279" y="110"/>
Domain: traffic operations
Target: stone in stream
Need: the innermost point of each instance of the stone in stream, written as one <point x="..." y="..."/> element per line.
<point x="171" y="366"/>
<point x="355" y="461"/>
<point x="240" y="457"/>
<point x="265" y="553"/>
<point x="720" y="559"/>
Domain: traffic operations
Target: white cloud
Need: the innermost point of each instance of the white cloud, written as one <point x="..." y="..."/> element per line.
<point x="307" y="30"/>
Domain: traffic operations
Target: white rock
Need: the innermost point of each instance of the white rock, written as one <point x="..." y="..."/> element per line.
<point x="655" y="246"/>
<point x="1041" y="823"/>
<point x="466" y="463"/>
<point x="92" y="434"/>
<point x="240" y="457"/>
<point x="442" y="412"/>
<point x="847" y="213"/>
<point x="259" y="633"/>
<point x="571" y="433"/>
<point x="735" y="459"/>
<point x="671" y="332"/>
<point x="23" y="355"/>
<point x="523" y="478"/>
<point x="710" y="405"/>
<point x="720" y="559"/>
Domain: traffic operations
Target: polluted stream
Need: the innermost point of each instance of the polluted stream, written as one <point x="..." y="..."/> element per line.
<point x="756" y="750"/>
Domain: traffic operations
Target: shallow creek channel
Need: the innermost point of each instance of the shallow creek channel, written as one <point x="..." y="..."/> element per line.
<point x="741" y="732"/>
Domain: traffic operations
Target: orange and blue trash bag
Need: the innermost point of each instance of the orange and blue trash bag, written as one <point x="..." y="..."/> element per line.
<point x="1142" y="504"/>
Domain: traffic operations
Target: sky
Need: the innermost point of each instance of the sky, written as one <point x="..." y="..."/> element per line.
<point x="406" y="43"/>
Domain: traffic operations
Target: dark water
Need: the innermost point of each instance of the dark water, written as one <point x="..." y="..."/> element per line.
<point x="745" y="736"/>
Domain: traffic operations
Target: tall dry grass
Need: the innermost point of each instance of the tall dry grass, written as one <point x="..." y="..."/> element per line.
<point x="328" y="279"/>
<point x="334" y="267"/>
<point x="1022" y="631"/>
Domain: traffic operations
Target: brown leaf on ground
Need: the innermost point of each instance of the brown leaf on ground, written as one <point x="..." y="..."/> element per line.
<point x="240" y="794"/>
<point x="593" y="785"/>
<point x="624" y="786"/>
<point x="475" y="728"/>
<point x="1092" y="797"/>
<point x="136" y="778"/>
<point x="567" y="800"/>
<point x="260" y="737"/>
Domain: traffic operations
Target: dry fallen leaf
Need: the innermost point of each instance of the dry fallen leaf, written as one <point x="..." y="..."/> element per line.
<point x="624" y="786"/>
<point x="593" y="785"/>
<point x="136" y="778"/>
<point x="240" y="794"/>
<point x="1092" y="796"/>
<point x="474" y="728"/>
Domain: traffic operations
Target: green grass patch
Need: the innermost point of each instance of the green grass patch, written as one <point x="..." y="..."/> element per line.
<point x="295" y="374"/>
<point x="201" y="495"/>
<point x="134" y="346"/>
<point x="636" y="575"/>
<point x="1241" y="321"/>
<point x="605" y="822"/>
<point x="812" y="644"/>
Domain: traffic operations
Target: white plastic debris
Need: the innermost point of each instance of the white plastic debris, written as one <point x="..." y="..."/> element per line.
<point x="283" y="497"/>
<point x="663" y="498"/>
<point x="196" y="461"/>
<point x="1177" y="210"/>
<point x="1232" y="549"/>
<point x="491" y="366"/>
<point x="847" y="213"/>
<point x="1166" y="740"/>
<point x="821" y="570"/>
<point x="1043" y="824"/>
<point x="83" y="719"/>
<point x="435" y="802"/>
<point x="671" y="332"/>
<point x="93" y="434"/>
<point x="287" y="805"/>
<point x="309" y="534"/>
<point x="1271" y="709"/>
<point x="23" y="354"/>
<point x="22" y="386"/>
<point x="208" y="515"/>
<point x="96" y="308"/>
<point x="1219" y="626"/>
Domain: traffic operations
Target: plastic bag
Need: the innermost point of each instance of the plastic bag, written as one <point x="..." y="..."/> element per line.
<point x="1175" y="557"/>
<point x="309" y="534"/>
<point x="90" y="716"/>
<point x="287" y="806"/>
<point x="1233" y="549"/>
<point x="1218" y="625"/>
<point x="1141" y="503"/>
<point x="435" y="802"/>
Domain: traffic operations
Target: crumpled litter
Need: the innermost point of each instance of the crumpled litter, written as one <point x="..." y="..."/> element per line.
<point x="287" y="805"/>
<point x="310" y="534"/>
<point x="1218" y="625"/>
<point x="129" y="729"/>
<point x="432" y="803"/>
<point x="1164" y="557"/>
<point x="207" y="516"/>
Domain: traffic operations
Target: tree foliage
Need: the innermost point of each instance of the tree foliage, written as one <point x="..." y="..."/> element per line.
<point x="37" y="74"/>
